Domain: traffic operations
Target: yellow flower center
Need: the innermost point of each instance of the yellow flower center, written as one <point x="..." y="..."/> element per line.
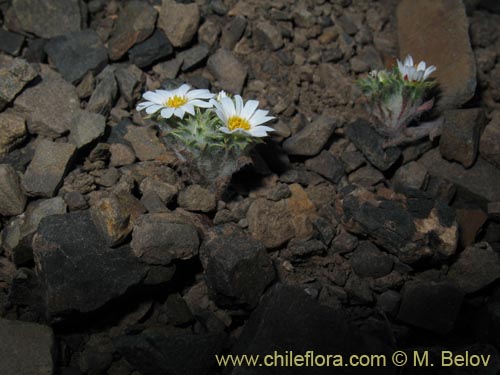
<point x="176" y="101"/>
<point x="236" y="122"/>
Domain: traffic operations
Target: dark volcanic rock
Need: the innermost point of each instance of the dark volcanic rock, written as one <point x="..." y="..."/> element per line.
<point x="229" y="72"/>
<point x="163" y="237"/>
<point x="288" y="319"/>
<point x="326" y="165"/>
<point x="78" y="271"/>
<point x="431" y="305"/>
<point x="145" y="142"/>
<point x="135" y="23"/>
<point x="13" y="77"/>
<point x="413" y="226"/>
<point x="490" y="141"/>
<point x="105" y="93"/>
<point x="130" y="79"/>
<point x="232" y="32"/>
<point x="460" y="135"/>
<point x="26" y="348"/>
<point x="12" y="198"/>
<point x="48" y="18"/>
<point x="438" y="32"/>
<point x="12" y="131"/>
<point x="310" y="140"/>
<point x="476" y="267"/>
<point x="179" y="21"/>
<point x="369" y="142"/>
<point x="156" y="47"/>
<point x="75" y="54"/>
<point x="197" y="198"/>
<point x="238" y="270"/>
<point x="86" y="128"/>
<point x="47" y="168"/>
<point x="193" y="57"/>
<point x="267" y="35"/>
<point x="157" y="351"/>
<point x="368" y="261"/>
<point x="49" y="106"/>
<point x="11" y="43"/>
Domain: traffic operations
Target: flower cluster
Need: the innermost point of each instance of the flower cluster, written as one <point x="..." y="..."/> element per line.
<point x="212" y="132"/>
<point x="397" y="97"/>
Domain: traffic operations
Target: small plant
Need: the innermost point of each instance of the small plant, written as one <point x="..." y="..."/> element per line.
<point x="212" y="134"/>
<point x="397" y="98"/>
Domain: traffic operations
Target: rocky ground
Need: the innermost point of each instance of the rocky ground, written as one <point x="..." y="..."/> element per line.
<point x="113" y="261"/>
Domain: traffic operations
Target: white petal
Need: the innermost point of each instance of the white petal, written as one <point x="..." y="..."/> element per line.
<point x="167" y="112"/>
<point x="179" y="112"/>
<point x="238" y="101"/>
<point x="181" y="91"/>
<point x="143" y="105"/>
<point x="431" y="69"/>
<point x="200" y="94"/>
<point x="421" y="65"/>
<point x="201" y="103"/>
<point x="228" y="107"/>
<point x="249" y="109"/>
<point x="189" y="108"/>
<point x="409" y="61"/>
<point x="153" y="97"/>
<point x="259" y="131"/>
<point x="153" y="108"/>
<point x="225" y="130"/>
<point x="259" y="118"/>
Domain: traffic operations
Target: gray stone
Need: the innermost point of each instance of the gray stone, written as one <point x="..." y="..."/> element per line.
<point x="490" y="141"/>
<point x="352" y="160"/>
<point x="366" y="176"/>
<point x="49" y="106"/>
<point x="121" y="155"/>
<point x="12" y="198"/>
<point x="145" y="142"/>
<point x="438" y="32"/>
<point x="431" y="305"/>
<point x="476" y="267"/>
<point x="11" y="43"/>
<point x="460" y="135"/>
<point x="135" y="23"/>
<point x="76" y="54"/>
<point x="12" y="131"/>
<point x="156" y="47"/>
<point x="238" y="270"/>
<point x="326" y="165"/>
<point x="266" y="35"/>
<point x="130" y="80"/>
<point x="197" y="198"/>
<point x="209" y="32"/>
<point x="389" y="302"/>
<point x="161" y="238"/>
<point x="26" y="348"/>
<point x="312" y="138"/>
<point x="86" y="128"/>
<point x="48" y="18"/>
<point x="229" y="72"/>
<point x="479" y="182"/>
<point x="18" y="235"/>
<point x="232" y="32"/>
<point x="179" y="21"/>
<point x="368" y="261"/>
<point x="105" y="93"/>
<point x="13" y="77"/>
<point x="193" y="57"/>
<point x="370" y="143"/>
<point x="45" y="173"/>
<point x="78" y="272"/>
<point x="411" y="175"/>
<point x="168" y="69"/>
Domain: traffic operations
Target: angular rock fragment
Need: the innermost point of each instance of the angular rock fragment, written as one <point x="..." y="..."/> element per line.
<point x="130" y="79"/>
<point x="78" y="272"/>
<point x="12" y="131"/>
<point x="135" y="23"/>
<point x="438" y="32"/>
<point x="312" y="138"/>
<point x="476" y="267"/>
<point x="460" y="135"/>
<point x="49" y="165"/>
<point x="48" y="18"/>
<point x="76" y="54"/>
<point x="13" y="77"/>
<point x="26" y="348"/>
<point x="267" y="35"/>
<point x="86" y="128"/>
<point x="490" y="141"/>
<point x="197" y="198"/>
<point x="161" y="238"/>
<point x="411" y="175"/>
<point x="368" y="261"/>
<point x="49" y="106"/>
<point x="370" y="143"/>
<point x="232" y="32"/>
<point x="105" y="93"/>
<point x="12" y="198"/>
<point x="145" y="142"/>
<point x="193" y="57"/>
<point x="229" y="72"/>
<point x="431" y="305"/>
<point x="156" y="47"/>
<point x="412" y="226"/>
<point x="179" y="21"/>
<point x="237" y="270"/>
<point x="11" y="43"/>
<point x="326" y="165"/>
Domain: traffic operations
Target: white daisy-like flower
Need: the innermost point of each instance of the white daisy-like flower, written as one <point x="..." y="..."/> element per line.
<point x="242" y="117"/>
<point x="220" y="95"/>
<point x="176" y="102"/>
<point x="412" y="73"/>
